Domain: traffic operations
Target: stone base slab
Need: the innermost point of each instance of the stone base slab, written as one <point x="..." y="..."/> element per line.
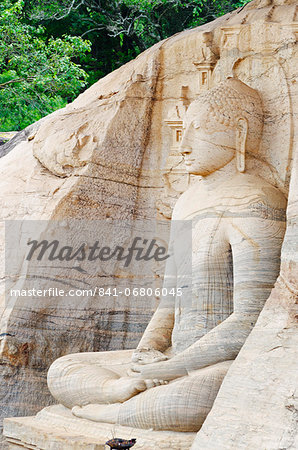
<point x="55" y="428"/>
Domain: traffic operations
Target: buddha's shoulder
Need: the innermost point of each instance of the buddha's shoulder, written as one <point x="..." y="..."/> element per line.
<point x="243" y="195"/>
<point x="250" y="189"/>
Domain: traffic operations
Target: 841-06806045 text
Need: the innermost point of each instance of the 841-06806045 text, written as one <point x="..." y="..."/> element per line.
<point x="97" y="291"/>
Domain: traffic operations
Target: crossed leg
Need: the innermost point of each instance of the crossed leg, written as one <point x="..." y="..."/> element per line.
<point x="98" y="377"/>
<point x="182" y="405"/>
<point x="93" y="377"/>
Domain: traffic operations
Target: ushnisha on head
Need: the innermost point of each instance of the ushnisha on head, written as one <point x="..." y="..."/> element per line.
<point x="223" y="123"/>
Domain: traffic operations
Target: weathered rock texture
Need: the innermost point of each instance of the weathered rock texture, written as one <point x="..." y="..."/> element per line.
<point x="117" y="138"/>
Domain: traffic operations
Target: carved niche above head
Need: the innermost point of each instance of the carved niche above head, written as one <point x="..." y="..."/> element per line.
<point x="207" y="58"/>
<point x="176" y="179"/>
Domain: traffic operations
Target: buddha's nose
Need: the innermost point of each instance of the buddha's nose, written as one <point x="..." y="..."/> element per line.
<point x="185" y="145"/>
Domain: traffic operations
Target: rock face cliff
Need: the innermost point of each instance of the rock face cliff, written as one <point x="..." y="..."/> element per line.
<point x="112" y="153"/>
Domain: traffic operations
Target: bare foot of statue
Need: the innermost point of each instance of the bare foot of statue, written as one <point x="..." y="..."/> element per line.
<point x="122" y="389"/>
<point x="98" y="413"/>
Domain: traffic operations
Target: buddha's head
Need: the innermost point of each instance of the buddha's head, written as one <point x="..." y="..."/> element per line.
<point x="224" y="123"/>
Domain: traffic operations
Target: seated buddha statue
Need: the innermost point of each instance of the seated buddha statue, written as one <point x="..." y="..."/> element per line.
<point x="170" y="381"/>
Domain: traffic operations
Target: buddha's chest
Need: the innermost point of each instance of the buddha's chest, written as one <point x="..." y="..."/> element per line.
<point x="204" y="247"/>
<point x="205" y="279"/>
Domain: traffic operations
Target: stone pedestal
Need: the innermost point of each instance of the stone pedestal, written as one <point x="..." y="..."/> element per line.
<point x="55" y="428"/>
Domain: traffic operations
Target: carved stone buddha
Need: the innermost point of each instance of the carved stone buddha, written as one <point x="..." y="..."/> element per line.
<point x="171" y="380"/>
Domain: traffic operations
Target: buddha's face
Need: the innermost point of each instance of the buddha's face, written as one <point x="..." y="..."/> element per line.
<point x="207" y="145"/>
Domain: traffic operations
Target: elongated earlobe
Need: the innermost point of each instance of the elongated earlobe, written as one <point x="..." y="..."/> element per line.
<point x="241" y="136"/>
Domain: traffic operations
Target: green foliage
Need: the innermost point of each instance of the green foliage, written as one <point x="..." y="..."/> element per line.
<point x="37" y="74"/>
<point x="120" y="29"/>
<point x="44" y="64"/>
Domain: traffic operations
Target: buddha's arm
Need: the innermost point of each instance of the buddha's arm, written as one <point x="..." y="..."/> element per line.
<point x="158" y="333"/>
<point x="256" y="247"/>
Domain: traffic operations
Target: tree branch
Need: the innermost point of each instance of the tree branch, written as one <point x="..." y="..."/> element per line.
<point x="68" y="9"/>
<point x="92" y="29"/>
<point x="16" y="80"/>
